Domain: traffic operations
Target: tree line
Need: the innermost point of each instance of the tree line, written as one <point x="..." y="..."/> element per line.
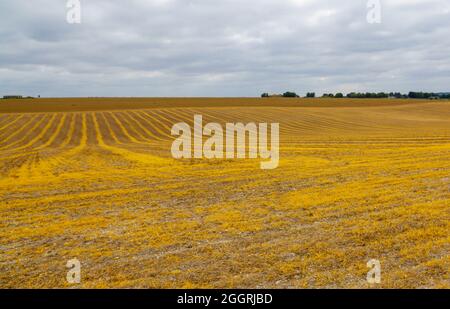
<point x="367" y="95"/>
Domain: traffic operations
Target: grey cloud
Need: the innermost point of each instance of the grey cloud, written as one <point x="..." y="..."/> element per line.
<point x="222" y="47"/>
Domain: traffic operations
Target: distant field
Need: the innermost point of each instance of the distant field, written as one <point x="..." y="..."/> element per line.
<point x="94" y="179"/>
<point x="108" y="104"/>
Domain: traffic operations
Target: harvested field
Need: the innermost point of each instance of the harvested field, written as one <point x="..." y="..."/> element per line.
<point x="94" y="179"/>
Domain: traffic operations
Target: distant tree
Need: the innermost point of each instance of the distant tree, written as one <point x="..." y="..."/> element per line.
<point x="367" y="95"/>
<point x="339" y="95"/>
<point x="421" y="95"/>
<point x="311" y="95"/>
<point x="290" y="95"/>
<point x="265" y="95"/>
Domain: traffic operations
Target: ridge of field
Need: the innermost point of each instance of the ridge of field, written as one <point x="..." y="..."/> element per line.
<point x="93" y="179"/>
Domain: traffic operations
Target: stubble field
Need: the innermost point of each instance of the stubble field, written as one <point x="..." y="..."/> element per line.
<point x="94" y="179"/>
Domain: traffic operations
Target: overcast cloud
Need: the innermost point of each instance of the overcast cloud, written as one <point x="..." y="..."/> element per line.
<point x="222" y="47"/>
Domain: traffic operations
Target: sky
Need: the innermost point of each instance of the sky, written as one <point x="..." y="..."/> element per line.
<point x="222" y="48"/>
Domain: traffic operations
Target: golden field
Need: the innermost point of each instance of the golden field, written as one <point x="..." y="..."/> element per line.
<point x="94" y="179"/>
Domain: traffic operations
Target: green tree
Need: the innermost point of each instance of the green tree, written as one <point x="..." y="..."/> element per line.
<point x="290" y="95"/>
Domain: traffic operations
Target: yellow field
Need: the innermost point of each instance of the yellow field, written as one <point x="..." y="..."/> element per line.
<point x="94" y="179"/>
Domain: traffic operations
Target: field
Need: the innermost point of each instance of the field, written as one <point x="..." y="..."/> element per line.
<point x="94" y="179"/>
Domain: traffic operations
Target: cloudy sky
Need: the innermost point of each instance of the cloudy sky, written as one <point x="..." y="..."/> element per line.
<point x="222" y="47"/>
